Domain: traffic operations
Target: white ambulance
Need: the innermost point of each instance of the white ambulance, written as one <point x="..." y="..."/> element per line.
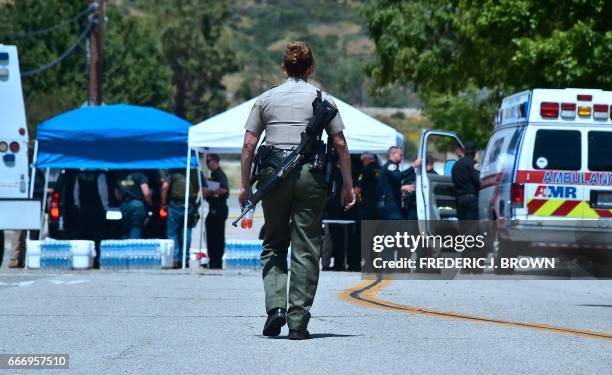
<point x="546" y="174"/>
<point x="17" y="210"/>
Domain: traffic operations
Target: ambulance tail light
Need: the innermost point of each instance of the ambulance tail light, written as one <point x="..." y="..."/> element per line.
<point x="584" y="111"/>
<point x="517" y="195"/>
<point x="584" y="98"/>
<point x="54" y="213"/>
<point x="568" y="110"/>
<point x="549" y="109"/>
<point x="14" y="147"/>
<point x="600" y="111"/>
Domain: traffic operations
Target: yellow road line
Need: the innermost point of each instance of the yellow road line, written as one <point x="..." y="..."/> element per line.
<point x="365" y="294"/>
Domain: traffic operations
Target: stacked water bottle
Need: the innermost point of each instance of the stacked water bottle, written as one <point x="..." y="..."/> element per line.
<point x="130" y="254"/>
<point x="55" y="254"/>
<point x="242" y="255"/>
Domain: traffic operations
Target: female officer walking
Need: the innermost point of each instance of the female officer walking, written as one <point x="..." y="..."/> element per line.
<point x="294" y="209"/>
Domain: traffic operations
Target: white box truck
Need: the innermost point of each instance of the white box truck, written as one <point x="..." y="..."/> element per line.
<point x="17" y="208"/>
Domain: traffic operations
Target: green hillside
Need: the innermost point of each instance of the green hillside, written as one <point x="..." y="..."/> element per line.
<point x="259" y="29"/>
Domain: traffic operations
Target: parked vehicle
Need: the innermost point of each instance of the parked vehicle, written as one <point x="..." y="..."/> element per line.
<point x="546" y="175"/>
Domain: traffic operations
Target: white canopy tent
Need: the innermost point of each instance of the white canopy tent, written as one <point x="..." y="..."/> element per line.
<point x="224" y="134"/>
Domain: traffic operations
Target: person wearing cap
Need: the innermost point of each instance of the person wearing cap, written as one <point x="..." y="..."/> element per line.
<point x="466" y="180"/>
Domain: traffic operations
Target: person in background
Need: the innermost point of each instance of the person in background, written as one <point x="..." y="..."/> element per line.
<point x="18" y="244"/>
<point x="91" y="200"/>
<point x="216" y="196"/>
<point x="466" y="180"/>
<point x="135" y="196"/>
<point x="389" y="185"/>
<point x="173" y="201"/>
<point x="366" y="186"/>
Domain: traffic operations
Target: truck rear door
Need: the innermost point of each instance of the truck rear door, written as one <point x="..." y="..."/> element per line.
<point x="551" y="175"/>
<point x="597" y="208"/>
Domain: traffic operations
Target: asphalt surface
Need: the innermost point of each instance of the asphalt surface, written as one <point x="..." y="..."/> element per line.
<point x="204" y="322"/>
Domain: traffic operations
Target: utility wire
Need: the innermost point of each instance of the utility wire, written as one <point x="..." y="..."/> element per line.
<point x="63" y="56"/>
<point x="26" y="34"/>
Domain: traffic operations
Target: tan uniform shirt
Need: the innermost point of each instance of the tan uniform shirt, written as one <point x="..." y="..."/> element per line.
<point x="284" y="112"/>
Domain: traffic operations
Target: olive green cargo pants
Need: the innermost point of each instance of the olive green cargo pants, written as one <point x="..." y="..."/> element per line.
<point x="293" y="212"/>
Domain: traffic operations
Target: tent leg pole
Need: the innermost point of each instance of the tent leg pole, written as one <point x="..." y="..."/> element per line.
<point x="203" y="227"/>
<point x="43" y="205"/>
<point x="31" y="196"/>
<point x="200" y="192"/>
<point x="187" y="180"/>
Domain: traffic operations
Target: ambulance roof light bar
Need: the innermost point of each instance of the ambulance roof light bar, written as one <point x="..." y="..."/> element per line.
<point x="568" y="110"/>
<point x="600" y="111"/>
<point x="549" y="109"/>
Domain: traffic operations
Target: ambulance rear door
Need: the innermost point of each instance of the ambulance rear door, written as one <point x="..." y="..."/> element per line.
<point x="550" y="177"/>
<point x="597" y="211"/>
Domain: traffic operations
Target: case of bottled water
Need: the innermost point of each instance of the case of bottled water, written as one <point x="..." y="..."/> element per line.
<point x="131" y="254"/>
<point x="242" y="255"/>
<point x="60" y="255"/>
<point x="50" y="254"/>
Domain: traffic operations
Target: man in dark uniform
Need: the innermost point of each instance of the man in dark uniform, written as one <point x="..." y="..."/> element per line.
<point x="134" y="194"/>
<point x="366" y="187"/>
<point x="91" y="199"/>
<point x="389" y="185"/>
<point x="466" y="179"/>
<point x="218" y="191"/>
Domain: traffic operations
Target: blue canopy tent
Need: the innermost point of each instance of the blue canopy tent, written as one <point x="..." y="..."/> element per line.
<point x="117" y="136"/>
<point x="113" y="137"/>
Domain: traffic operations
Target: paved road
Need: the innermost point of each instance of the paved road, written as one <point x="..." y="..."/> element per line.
<point x="210" y="322"/>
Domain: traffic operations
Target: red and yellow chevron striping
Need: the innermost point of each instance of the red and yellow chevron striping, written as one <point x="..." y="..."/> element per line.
<point x="567" y="208"/>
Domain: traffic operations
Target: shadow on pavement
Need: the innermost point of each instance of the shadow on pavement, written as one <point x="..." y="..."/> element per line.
<point x="313" y="336"/>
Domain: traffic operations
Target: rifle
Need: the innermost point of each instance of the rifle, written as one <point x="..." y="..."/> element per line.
<point x="323" y="112"/>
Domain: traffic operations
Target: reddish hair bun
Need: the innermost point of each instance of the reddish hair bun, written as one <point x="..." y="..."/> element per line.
<point x="297" y="59"/>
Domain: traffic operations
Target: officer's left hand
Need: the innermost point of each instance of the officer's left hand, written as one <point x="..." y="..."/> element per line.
<point x="348" y="197"/>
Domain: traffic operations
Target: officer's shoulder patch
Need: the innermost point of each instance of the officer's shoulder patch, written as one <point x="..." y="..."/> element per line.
<point x="392" y="167"/>
<point x="256" y="104"/>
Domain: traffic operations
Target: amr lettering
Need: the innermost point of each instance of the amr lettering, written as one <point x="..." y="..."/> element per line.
<point x="551" y="191"/>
